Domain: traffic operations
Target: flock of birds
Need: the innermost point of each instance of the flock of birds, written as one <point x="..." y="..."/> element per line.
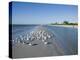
<point x="39" y="33"/>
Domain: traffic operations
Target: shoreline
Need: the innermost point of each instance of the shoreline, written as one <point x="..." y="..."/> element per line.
<point x="70" y="26"/>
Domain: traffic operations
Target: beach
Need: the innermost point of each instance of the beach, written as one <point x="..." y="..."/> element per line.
<point x="63" y="41"/>
<point x="69" y="26"/>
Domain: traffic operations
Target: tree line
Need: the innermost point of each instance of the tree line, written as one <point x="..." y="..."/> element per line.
<point x="64" y="23"/>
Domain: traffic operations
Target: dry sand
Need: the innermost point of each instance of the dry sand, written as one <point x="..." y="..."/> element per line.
<point x="69" y="26"/>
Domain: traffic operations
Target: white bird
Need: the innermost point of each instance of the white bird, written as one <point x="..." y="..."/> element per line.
<point x="49" y="36"/>
<point x="45" y="37"/>
<point x="45" y="42"/>
<point x="30" y="44"/>
<point x="27" y="37"/>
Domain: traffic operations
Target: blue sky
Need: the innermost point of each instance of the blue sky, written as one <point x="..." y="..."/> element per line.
<point x="37" y="13"/>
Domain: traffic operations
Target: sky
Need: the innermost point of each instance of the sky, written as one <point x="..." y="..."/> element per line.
<point x="39" y="13"/>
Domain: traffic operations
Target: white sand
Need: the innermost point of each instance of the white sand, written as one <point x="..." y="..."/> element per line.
<point x="69" y="26"/>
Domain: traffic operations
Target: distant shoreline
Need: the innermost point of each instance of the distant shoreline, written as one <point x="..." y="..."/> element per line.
<point x="72" y="26"/>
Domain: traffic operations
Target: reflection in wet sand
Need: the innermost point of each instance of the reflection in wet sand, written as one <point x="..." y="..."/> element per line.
<point x="39" y="42"/>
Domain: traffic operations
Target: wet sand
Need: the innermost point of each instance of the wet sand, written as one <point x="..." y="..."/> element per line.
<point x="40" y="50"/>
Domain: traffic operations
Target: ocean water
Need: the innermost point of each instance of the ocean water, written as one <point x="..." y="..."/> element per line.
<point x="65" y="37"/>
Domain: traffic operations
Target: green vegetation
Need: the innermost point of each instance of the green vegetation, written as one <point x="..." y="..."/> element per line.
<point x="64" y="23"/>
